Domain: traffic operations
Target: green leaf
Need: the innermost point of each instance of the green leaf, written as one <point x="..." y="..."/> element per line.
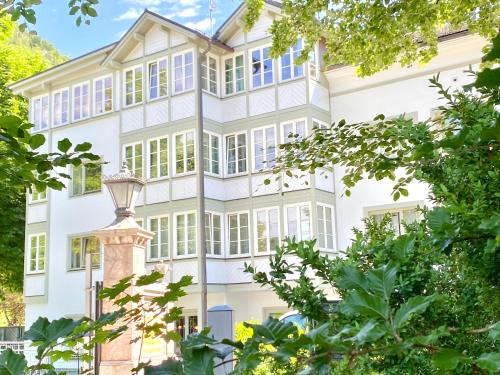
<point x="382" y="280"/>
<point x="489" y="362"/>
<point x="48" y="332"/>
<point x="414" y="305"/>
<point x="36" y="141"/>
<point x="152" y="278"/>
<point x="64" y="145"/>
<point x="83" y="147"/>
<point x="494" y="333"/>
<point x="364" y="304"/>
<point x="446" y="359"/>
<point x="369" y="332"/>
<point x="168" y="367"/>
<point x="12" y="363"/>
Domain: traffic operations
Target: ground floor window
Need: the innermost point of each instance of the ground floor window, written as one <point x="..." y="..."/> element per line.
<point x="82" y="245"/>
<point x="186" y="325"/>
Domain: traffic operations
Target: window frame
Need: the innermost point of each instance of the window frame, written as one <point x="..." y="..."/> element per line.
<point x="83" y="256"/>
<point x="148" y="161"/>
<point x="83" y="179"/>
<point x="167" y="83"/>
<point x="239" y="254"/>
<point x="39" y="200"/>
<point x="263" y="129"/>
<point x="219" y="149"/>
<point x="334" y="232"/>
<point x="37" y="256"/>
<point x="124" y="153"/>
<point x="297" y="207"/>
<point x="174" y="150"/>
<point x="134" y="91"/>
<point x="391" y="209"/>
<point x="73" y="101"/>
<point x="184" y="89"/>
<point x="94" y="95"/>
<point x="217" y="68"/>
<point x="268" y="239"/>
<point x="68" y="115"/>
<point x="261" y="74"/>
<point x="233" y="75"/>
<point x="321" y="124"/>
<point x="284" y="137"/>
<point x="221" y="216"/>
<point x="226" y="154"/>
<point x="290" y="51"/>
<point x="148" y="248"/>
<point x="186" y="235"/>
<point x="32" y="112"/>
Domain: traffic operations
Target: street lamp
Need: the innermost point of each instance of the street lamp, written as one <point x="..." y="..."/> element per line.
<point x="124" y="188"/>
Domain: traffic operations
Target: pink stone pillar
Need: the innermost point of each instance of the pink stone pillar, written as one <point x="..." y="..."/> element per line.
<point x="124" y="254"/>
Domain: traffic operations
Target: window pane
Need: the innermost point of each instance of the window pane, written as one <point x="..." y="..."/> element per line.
<point x="76" y="253"/>
<point x="77" y="180"/>
<point x="92" y="178"/>
<point x="164" y="237"/>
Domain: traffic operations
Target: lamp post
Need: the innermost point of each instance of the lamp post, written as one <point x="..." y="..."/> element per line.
<point x="124" y="254"/>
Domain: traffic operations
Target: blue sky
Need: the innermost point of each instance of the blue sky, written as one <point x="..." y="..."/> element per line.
<point x="116" y="16"/>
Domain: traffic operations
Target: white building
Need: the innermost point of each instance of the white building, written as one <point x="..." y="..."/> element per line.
<point x="137" y="100"/>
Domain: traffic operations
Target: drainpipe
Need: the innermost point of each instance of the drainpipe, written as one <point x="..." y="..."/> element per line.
<point x="202" y="271"/>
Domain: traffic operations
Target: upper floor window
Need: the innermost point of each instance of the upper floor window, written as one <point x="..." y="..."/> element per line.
<point x="213" y="237"/>
<point x="399" y="217"/>
<point x="158" y="246"/>
<point x="103" y="95"/>
<point x="298" y="221"/>
<point x="36" y="252"/>
<point x="158" y="79"/>
<point x="289" y="69"/>
<point x="133" y="85"/>
<point x="267" y="228"/>
<point x="209" y="74"/>
<point x="234" y="73"/>
<point x="81" y="102"/>
<point x="262" y="67"/>
<point x="184" y="152"/>
<point x="264" y="143"/>
<point x="183" y="72"/>
<point x="294" y="130"/>
<point x="236" y="153"/>
<point x="313" y="64"/>
<point x="325" y="227"/>
<point x="158" y="157"/>
<point x="133" y="157"/>
<point x="185" y="231"/>
<point x="320" y="124"/>
<point x="40" y="112"/>
<point x="238" y="233"/>
<point x="86" y="179"/>
<point x="80" y="247"/>
<point x="211" y="147"/>
<point x="37" y="195"/>
<point x="61" y="107"/>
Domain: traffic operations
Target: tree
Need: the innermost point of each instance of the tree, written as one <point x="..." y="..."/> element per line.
<point x="373" y="35"/>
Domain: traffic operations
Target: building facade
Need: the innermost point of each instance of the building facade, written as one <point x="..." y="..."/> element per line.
<point x="136" y="100"/>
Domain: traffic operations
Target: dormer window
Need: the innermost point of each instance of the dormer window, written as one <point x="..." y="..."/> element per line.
<point x="262" y="67"/>
<point x="40" y="112"/>
<point x="133" y="85"/>
<point x="183" y="72"/>
<point x="289" y="69"/>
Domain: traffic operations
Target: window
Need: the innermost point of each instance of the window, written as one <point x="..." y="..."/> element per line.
<point x="158" y="79"/>
<point x="103" y="95"/>
<point x="183" y="72"/>
<point x="36" y="195"/>
<point x="213" y="244"/>
<point x="80" y="246"/>
<point x="289" y="69"/>
<point x="313" y="64"/>
<point x="184" y="152"/>
<point x="398" y="217"/>
<point x="211" y="146"/>
<point x="81" y="102"/>
<point x="185" y="330"/>
<point x="267" y="229"/>
<point x="158" y="157"/>
<point x="264" y="148"/>
<point x="209" y="75"/>
<point x="133" y="85"/>
<point x="40" y="113"/>
<point x="298" y="222"/>
<point x="239" y="243"/>
<point x="36" y="255"/>
<point x="236" y="153"/>
<point x="325" y="227"/>
<point x="234" y="74"/>
<point x="86" y="179"/>
<point x="185" y="230"/>
<point x="294" y="130"/>
<point x="133" y="157"/>
<point x="61" y="107"/>
<point x="320" y="124"/>
<point x="262" y="67"/>
<point x="158" y="246"/>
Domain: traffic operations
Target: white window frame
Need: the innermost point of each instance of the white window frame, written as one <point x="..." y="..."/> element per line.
<point x="73" y="101"/>
<point x="210" y="160"/>
<point x="184" y="153"/>
<point x="268" y="239"/>
<point x="293" y="122"/>
<point x="124" y="156"/>
<point x="334" y="233"/>
<point x="321" y="124"/>
<point x="226" y="154"/>
<point x="148" y="161"/>
<point x="40" y="114"/>
<point x="207" y="78"/>
<point x="35" y="191"/>
<point x="68" y="115"/>
<point x="134" y="89"/>
<point x="239" y="254"/>
<point x="82" y="254"/>
<point x="148" y="249"/>
<point x="186" y="233"/>
<point x="157" y="62"/>
<point x="261" y="74"/>
<point x="297" y="207"/>
<point x="37" y="256"/>
<point x="211" y="253"/>
<point x="264" y="138"/>
<point x="233" y="75"/>
<point x="184" y="77"/>
<point x="94" y="95"/>
<point x="292" y="65"/>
